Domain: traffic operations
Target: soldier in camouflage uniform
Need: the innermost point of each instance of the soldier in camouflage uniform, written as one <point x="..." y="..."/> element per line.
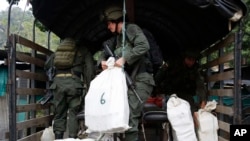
<point x="183" y="77"/>
<point x="133" y="54"/>
<point x="74" y="71"/>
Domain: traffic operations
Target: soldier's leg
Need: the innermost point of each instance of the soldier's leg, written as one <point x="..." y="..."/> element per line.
<point x="60" y="114"/>
<point x="144" y="91"/>
<point x="73" y="123"/>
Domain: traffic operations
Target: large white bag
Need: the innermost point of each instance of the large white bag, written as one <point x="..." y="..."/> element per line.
<point x="106" y="102"/>
<point x="181" y="120"/>
<point x="48" y="134"/>
<point x="207" y="123"/>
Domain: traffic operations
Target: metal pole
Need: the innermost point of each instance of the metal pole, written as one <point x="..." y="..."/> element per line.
<point x="31" y="98"/>
<point x="48" y="42"/>
<point x="13" y="129"/>
<point x="8" y="25"/>
<point x="237" y="78"/>
<point x="11" y="50"/>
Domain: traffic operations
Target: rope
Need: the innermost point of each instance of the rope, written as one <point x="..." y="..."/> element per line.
<point x="123" y="29"/>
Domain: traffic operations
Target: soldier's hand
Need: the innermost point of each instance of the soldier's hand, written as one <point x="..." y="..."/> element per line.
<point x="104" y="65"/>
<point x="120" y="62"/>
<point x="203" y="104"/>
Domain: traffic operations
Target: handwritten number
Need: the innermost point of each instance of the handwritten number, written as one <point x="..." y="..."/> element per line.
<point x="102" y="100"/>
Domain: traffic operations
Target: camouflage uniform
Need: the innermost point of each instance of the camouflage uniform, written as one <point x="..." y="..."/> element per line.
<point x="185" y="82"/>
<point x="136" y="47"/>
<point x="69" y="90"/>
<point x="135" y="54"/>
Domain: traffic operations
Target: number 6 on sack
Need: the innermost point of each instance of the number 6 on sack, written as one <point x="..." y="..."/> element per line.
<point x="106" y="102"/>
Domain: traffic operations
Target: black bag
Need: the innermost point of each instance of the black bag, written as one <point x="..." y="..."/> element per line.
<point x="155" y="54"/>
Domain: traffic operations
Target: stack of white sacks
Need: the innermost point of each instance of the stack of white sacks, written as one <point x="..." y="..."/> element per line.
<point x="182" y="123"/>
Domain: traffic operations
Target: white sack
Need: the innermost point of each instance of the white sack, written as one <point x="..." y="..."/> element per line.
<point x="180" y="117"/>
<point x="106" y="102"/>
<point x="48" y="134"/>
<point x="207" y="123"/>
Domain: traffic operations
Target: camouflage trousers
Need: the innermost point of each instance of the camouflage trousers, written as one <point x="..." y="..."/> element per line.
<point x="144" y="91"/>
<point x="67" y="93"/>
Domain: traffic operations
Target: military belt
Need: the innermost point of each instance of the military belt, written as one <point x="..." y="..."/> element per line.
<point x="64" y="75"/>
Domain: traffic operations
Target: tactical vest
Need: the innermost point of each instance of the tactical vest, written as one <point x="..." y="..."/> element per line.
<point x="65" y="54"/>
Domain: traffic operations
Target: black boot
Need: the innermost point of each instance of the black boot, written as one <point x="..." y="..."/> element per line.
<point x="58" y="135"/>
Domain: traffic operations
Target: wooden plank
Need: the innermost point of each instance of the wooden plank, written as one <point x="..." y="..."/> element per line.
<point x="31" y="75"/>
<point x="224" y="110"/>
<point x="221" y="92"/>
<point x="32" y="45"/>
<point x="223" y="59"/>
<point x="30" y="91"/>
<point x="34" y="122"/>
<point x="3" y="55"/>
<point x="221" y="76"/>
<point x="4" y="118"/>
<point x="32" y="60"/>
<point x="31" y="107"/>
<point x="33" y="137"/>
<point x="229" y="39"/>
<point x="222" y="139"/>
<point x="224" y="126"/>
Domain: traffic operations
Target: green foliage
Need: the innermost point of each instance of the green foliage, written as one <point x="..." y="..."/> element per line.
<point x="246" y="33"/>
<point x="40" y="26"/>
<point x="21" y="23"/>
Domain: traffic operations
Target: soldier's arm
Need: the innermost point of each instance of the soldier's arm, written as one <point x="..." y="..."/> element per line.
<point x="201" y="91"/>
<point x="139" y="42"/>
